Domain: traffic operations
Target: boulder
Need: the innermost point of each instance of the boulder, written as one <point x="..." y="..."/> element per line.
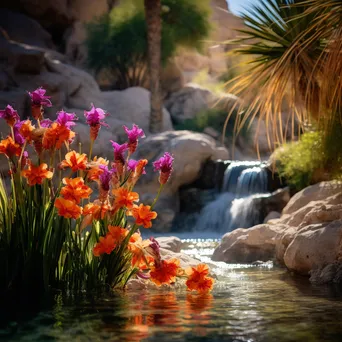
<point x="315" y="192"/>
<point x="192" y="99"/>
<point x="272" y="216"/>
<point x="23" y="29"/>
<point x="170" y="243"/>
<point x="249" y="245"/>
<point x="314" y="246"/>
<point x="132" y="105"/>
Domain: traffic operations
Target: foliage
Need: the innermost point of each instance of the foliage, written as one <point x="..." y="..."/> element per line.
<point x="76" y="227"/>
<point x="296" y="47"/>
<point x="118" y="42"/>
<point x="299" y="162"/>
<point x="214" y="118"/>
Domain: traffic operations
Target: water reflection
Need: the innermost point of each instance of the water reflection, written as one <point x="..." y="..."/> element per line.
<point x="261" y="304"/>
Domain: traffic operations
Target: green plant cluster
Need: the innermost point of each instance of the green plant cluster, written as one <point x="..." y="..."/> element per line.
<point x="117" y="42"/>
<point x="302" y="162"/>
<point x="214" y="118"/>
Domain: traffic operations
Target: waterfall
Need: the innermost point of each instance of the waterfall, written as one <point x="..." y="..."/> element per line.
<point x="244" y="184"/>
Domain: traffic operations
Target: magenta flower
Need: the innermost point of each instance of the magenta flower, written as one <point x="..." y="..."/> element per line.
<point x="66" y="119"/>
<point x="164" y="165"/>
<point x="18" y="138"/>
<point x="105" y="177"/>
<point x="134" y="134"/>
<point x="132" y="164"/>
<point x="10" y="115"/>
<point x="46" y="123"/>
<point x="38" y="98"/>
<point x="119" y="150"/>
<point x="94" y="116"/>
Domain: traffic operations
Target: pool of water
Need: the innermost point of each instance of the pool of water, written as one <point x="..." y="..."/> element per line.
<point x="249" y="303"/>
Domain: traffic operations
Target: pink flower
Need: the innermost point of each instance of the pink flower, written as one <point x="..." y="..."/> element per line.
<point x="164" y="165"/>
<point x="38" y="98"/>
<point x="132" y="164"/>
<point x="105" y="177"/>
<point x="10" y="115"/>
<point x="119" y="150"/>
<point x="18" y="138"/>
<point x="133" y="135"/>
<point x="94" y="116"/>
<point x="46" y="123"/>
<point x="66" y="119"/>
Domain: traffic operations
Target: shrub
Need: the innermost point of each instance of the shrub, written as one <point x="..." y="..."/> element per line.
<point x="117" y="42"/>
<point x="302" y="163"/>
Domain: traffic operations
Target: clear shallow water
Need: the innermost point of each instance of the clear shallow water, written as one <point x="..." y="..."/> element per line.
<point x="249" y="303"/>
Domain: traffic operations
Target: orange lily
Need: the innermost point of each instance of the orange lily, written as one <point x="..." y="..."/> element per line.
<point x="37" y="174"/>
<point x="106" y="245"/>
<point x="75" y="189"/>
<point x="67" y="208"/>
<point x="75" y="161"/>
<point x="124" y="198"/>
<point x="143" y="215"/>
<point x="198" y="279"/>
<point x="9" y="147"/>
<point x="56" y="135"/>
<point x="166" y="272"/>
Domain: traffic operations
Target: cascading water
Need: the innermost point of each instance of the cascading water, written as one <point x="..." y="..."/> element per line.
<point x="244" y="183"/>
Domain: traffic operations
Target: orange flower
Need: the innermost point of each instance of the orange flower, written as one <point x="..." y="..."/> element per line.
<point x="93" y="211"/>
<point x="26" y="130"/>
<point x="166" y="272"/>
<point x="75" y="189"/>
<point x="9" y="147"/>
<point x="139" y="248"/>
<point x="124" y="198"/>
<point x="143" y="215"/>
<point x="67" y="208"/>
<point x="36" y="174"/>
<point x="56" y="135"/>
<point x="75" y="161"/>
<point x="198" y="279"/>
<point x="95" y="171"/>
<point x="118" y="233"/>
<point x="106" y="245"/>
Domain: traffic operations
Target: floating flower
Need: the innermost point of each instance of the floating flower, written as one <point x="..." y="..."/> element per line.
<point x="124" y="198"/>
<point x="39" y="100"/>
<point x="67" y="208"/>
<point x="56" y="135"/>
<point x="164" y="165"/>
<point x="166" y="272"/>
<point x="37" y="174"/>
<point x="133" y="135"/>
<point x="66" y="119"/>
<point x="143" y="215"/>
<point x="10" y="115"/>
<point x="75" y="161"/>
<point x="9" y="147"/>
<point x="26" y="129"/>
<point x="119" y="150"/>
<point x="106" y="245"/>
<point x="198" y="279"/>
<point x="94" y="117"/>
<point x="75" y="189"/>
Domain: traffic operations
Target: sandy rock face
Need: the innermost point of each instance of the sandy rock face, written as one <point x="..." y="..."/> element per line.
<point x="307" y="238"/>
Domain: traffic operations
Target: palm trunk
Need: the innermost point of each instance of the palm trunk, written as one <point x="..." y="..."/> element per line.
<point x="153" y="21"/>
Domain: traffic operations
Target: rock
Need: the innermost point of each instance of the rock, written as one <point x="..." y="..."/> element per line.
<point x="271" y="216"/>
<point x="315" y="192"/>
<point x="171" y="243"/>
<point x="171" y="79"/>
<point x="249" y="245"/>
<point x="212" y="132"/>
<point x="23" y="29"/>
<point x="18" y="99"/>
<point x="185" y="260"/>
<point x="132" y="105"/>
<point x="23" y="58"/>
<point x="314" y="246"/>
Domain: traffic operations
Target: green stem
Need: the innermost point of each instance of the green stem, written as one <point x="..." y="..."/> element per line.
<point x="158" y="194"/>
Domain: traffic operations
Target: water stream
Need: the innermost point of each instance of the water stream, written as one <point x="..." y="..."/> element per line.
<point x="249" y="303"/>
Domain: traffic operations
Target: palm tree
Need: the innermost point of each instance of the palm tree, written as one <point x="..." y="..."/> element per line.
<point x="296" y="47"/>
<point x="154" y="23"/>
